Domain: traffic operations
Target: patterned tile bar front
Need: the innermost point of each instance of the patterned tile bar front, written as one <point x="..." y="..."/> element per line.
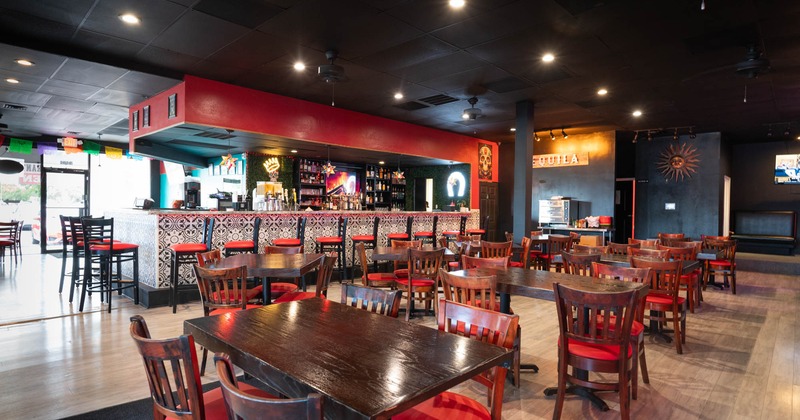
<point x="156" y="230"/>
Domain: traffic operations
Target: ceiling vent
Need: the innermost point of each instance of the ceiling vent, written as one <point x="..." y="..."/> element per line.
<point x="13" y="107"/>
<point x="411" y="106"/>
<point x="437" y="100"/>
<point x="213" y="135"/>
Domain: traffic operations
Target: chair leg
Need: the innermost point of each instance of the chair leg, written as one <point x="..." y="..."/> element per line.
<point x="677" y="327"/>
<point x="624" y="394"/>
<point x="733" y="281"/>
<point x="517" y="356"/>
<point x="562" y="387"/>
<point x="643" y="363"/>
<point x="63" y="269"/>
<point x="409" y="300"/>
<point x="203" y="362"/>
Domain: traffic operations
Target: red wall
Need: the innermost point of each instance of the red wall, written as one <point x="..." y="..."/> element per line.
<point x="216" y="104"/>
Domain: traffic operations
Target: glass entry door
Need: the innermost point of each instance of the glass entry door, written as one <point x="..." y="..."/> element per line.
<point x="65" y="192"/>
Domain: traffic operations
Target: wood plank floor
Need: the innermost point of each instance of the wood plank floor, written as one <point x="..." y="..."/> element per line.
<point x="741" y="359"/>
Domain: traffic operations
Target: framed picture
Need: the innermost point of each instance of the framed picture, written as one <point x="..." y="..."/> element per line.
<point x="172" y="106"/>
<point x="146" y="116"/>
<point x="484" y="161"/>
<point x="135" y="121"/>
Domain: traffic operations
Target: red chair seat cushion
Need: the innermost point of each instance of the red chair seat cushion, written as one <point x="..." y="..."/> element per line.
<point x="215" y="404"/>
<point x="401" y="273"/>
<point x="594" y="351"/>
<point x="475" y="231"/>
<point x="424" y="233"/>
<point x="118" y="247"/>
<point x="515" y="264"/>
<point x="397" y="236"/>
<point x="286" y="242"/>
<point x="329" y="240"/>
<point x="189" y="247"/>
<point x="281" y="288"/>
<point x="451" y="233"/>
<point x="363" y="238"/>
<point x="221" y="311"/>
<point x="453" y="265"/>
<point x="447" y="405"/>
<point x="415" y="282"/>
<point x="381" y="277"/>
<point x="290" y="297"/>
<point x="6" y="243"/>
<point x="239" y="245"/>
<point x="720" y="263"/>
<point x="252" y="293"/>
<point x="659" y="299"/>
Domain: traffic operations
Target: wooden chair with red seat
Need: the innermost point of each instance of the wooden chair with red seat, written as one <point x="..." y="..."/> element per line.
<point x="244" y="405"/>
<point x="725" y="266"/>
<point x="9" y="233"/>
<point x="401" y="236"/>
<point x="468" y="262"/>
<point x="335" y="244"/>
<point x="174" y="378"/>
<point x="221" y="291"/>
<point x="480" y="231"/>
<point x="369" y="242"/>
<point x="248" y="246"/>
<point x="621" y="249"/>
<point x="324" y="273"/>
<point x="182" y="254"/>
<point x="689" y="281"/>
<point x="552" y="258"/>
<point x="586" y="346"/>
<point x="428" y="236"/>
<point x="661" y="254"/>
<point x="300" y="236"/>
<point x="579" y="264"/>
<point x="372" y="279"/>
<point x="206" y="258"/>
<point x="638" y="275"/>
<point x="663" y="237"/>
<point x="67" y="244"/>
<point x="450" y="235"/>
<point x="663" y="301"/>
<point x="496" y="249"/>
<point x="590" y="249"/>
<point x="525" y="256"/>
<point x="400" y="267"/>
<point x="455" y="264"/>
<point x="643" y="243"/>
<point x="476" y="323"/>
<point x="76" y="233"/>
<point x="377" y="301"/>
<point x="100" y="248"/>
<point x="423" y="271"/>
<point x="278" y="289"/>
<point x="576" y="238"/>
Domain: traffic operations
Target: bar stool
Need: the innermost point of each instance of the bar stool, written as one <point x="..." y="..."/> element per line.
<point x="400" y="236"/>
<point x="480" y="231"/>
<point x="369" y="241"/>
<point x="298" y="240"/>
<point x="100" y="248"/>
<point x="184" y="254"/>
<point x="450" y="235"/>
<point x="76" y="233"/>
<point x="428" y="236"/>
<point x="244" y="247"/>
<point x="335" y="244"/>
<point x="66" y="249"/>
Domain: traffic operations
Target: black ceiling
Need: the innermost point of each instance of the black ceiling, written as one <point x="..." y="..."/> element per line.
<point x="668" y="58"/>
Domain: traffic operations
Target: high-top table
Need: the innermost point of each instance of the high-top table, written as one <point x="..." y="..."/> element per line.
<point x="367" y="366"/>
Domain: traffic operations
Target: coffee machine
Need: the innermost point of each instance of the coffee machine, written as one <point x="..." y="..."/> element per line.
<point x="191" y="193"/>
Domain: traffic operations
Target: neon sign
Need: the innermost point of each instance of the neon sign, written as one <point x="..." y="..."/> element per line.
<point x="456" y="179"/>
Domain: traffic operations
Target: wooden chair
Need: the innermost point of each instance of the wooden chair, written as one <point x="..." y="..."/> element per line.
<point x="643" y="243"/>
<point x="689" y="281"/>
<point x="372" y="279"/>
<point x="525" y="256"/>
<point x="725" y="266"/>
<point x="536" y="249"/>
<point x="378" y="301"/>
<point x="714" y="237"/>
<point x="663" y="237"/>
<point x="621" y="249"/>
<point x="400" y="268"/>
<point x="479" y="324"/>
<point x="495" y="249"/>
<point x="100" y="248"/>
<point x="590" y="249"/>
<point x="278" y="289"/>
<point x="175" y="387"/>
<point x="468" y="238"/>
<point x="639" y="275"/>
<point x="555" y="245"/>
<point x="247" y="406"/>
<point x="583" y="345"/>
<point x="579" y="264"/>
<point x="423" y="268"/>
<point x="663" y="298"/>
<point x="205" y="258"/>
<point x="468" y="262"/>
<point x="576" y="237"/>
<point x="9" y="236"/>
<point x="509" y="236"/>
<point x="660" y="254"/>
<point x="324" y="273"/>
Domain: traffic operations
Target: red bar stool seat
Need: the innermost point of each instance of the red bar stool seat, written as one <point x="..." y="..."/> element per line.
<point x="481" y="230"/>
<point x="428" y="236"/>
<point x="286" y="242"/>
<point x="184" y="254"/>
<point x="336" y="244"/>
<point x="400" y="236"/>
<point x="244" y="247"/>
<point x="369" y="241"/>
<point x="300" y="236"/>
<point x="450" y="235"/>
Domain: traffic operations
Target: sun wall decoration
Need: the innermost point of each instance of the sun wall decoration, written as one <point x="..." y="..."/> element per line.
<point x="679" y="163"/>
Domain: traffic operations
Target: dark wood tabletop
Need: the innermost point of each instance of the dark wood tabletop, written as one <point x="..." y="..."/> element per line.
<point x="387" y="253"/>
<point x="366" y="366"/>
<point x="266" y="266"/>
<point x="624" y="261"/>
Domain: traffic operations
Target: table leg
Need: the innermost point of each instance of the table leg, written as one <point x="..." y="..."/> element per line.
<point x="266" y="291"/>
<point x="579" y="390"/>
<point x="655" y="327"/>
<point x="505" y="307"/>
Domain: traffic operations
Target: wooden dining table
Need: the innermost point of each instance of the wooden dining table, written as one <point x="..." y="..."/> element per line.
<point x="366" y="366"/>
<point x="268" y="266"/>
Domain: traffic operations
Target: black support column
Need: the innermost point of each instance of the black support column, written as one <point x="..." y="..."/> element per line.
<point x="523" y="182"/>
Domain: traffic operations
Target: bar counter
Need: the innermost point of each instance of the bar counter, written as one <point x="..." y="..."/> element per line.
<point x="156" y="230"/>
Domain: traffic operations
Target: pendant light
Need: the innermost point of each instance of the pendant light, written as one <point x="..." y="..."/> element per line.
<point x="398" y="174"/>
<point x="327" y="168"/>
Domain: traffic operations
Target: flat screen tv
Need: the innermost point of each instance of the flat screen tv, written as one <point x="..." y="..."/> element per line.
<point x="787" y="169"/>
<point x="342" y="182"/>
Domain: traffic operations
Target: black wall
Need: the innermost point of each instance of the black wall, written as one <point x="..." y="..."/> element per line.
<point x="439" y="174"/>
<point x="697" y="199"/>
<point x="505" y="189"/>
<point x="752" y="177"/>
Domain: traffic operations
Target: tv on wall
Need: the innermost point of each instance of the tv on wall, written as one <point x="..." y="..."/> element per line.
<point x="787" y="169"/>
<point x="342" y="182"/>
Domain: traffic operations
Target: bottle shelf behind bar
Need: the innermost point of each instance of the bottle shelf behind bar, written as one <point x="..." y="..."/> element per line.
<point x="312" y="184"/>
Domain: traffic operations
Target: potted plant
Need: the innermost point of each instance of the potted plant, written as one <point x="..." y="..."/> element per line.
<point x="462" y="205"/>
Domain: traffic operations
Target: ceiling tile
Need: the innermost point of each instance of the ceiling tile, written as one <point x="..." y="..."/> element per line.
<point x="156" y="17"/>
<point x="247" y="13"/>
<point x="143" y="83"/>
<point x="87" y="73"/>
<point x="199" y="35"/>
<point x="68" y="89"/>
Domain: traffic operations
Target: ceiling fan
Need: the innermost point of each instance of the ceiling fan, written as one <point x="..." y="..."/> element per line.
<point x="753" y="65"/>
<point x="331" y="73"/>
<point x="472" y="113"/>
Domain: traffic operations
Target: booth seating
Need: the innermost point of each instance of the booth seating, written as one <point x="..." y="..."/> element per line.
<point x="767" y="232"/>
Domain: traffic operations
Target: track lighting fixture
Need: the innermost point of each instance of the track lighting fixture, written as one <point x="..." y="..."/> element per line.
<point x="536" y="137"/>
<point x="564" y="133"/>
<point x="788" y="131"/>
<point x="769" y="131"/>
<point x="635" y="137"/>
<point x="675" y="136"/>
<point x="692" y="135"/>
<point x="552" y="136"/>
<point x="649" y="135"/>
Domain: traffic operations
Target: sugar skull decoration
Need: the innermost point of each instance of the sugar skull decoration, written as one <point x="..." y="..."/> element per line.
<point x="484" y="161"/>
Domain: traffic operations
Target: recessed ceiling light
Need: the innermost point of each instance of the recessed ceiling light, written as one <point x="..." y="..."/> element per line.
<point x="457" y="4"/>
<point x="548" y="58"/>
<point x="398" y="95"/>
<point x="24" y="62"/>
<point x="637" y="113"/>
<point x="602" y="91"/>
<point x="130" y="19"/>
<point x="513" y="129"/>
<point x="381" y="162"/>
<point x="299" y="66"/>
<point x="12" y="81"/>
<point x="294" y="150"/>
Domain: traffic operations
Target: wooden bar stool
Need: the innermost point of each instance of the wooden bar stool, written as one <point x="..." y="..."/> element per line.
<point x="100" y="248"/>
<point x="66" y="249"/>
<point x="244" y="247"/>
<point x="428" y="236"/>
<point x="401" y="236"/>
<point x="184" y="254"/>
<point x="450" y="235"/>
<point x="369" y="241"/>
<point x="335" y="244"/>
<point x="480" y="231"/>
<point x="298" y="240"/>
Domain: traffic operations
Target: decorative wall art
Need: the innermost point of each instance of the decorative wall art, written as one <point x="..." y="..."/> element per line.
<point x="679" y="162"/>
<point x="172" y="106"/>
<point x="484" y="161"/>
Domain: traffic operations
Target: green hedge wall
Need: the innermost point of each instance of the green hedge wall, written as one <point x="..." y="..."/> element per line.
<point x="439" y="175"/>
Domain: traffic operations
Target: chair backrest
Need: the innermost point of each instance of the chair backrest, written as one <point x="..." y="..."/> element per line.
<point x="643" y="243"/>
<point x="247" y="406"/>
<point x="680" y="253"/>
<point x="379" y="301"/>
<point x="468" y="262"/>
<point x="537" y="232"/>
<point x="495" y="249"/>
<point x="208" y="232"/>
<point x="595" y="249"/>
<point x="485" y="224"/>
<point x="324" y="272"/>
<point x="396" y="243"/>
<point x="301" y="229"/>
<point x="509" y="236"/>
<point x="620" y="249"/>
<point x="558" y="243"/>
<point x="10" y="229"/>
<point x="376" y="222"/>
<point x="662" y="236"/>
<point x="470" y="290"/>
<point x="579" y="264"/>
<point x="468" y="238"/>
<point x="66" y="231"/>
<point x="462" y="225"/>
<point x="97" y="231"/>
<point x="714" y="237"/>
<point x="576" y="237"/>
<point x="727" y="248"/>
<point x="490" y="327"/>
<point x="271" y="249"/>
<point x="662" y="254"/>
<point x="172" y="372"/>
<point x="208" y="257"/>
<point x="222" y="288"/>
<point x="434" y="225"/>
<point x="256" y="232"/>
<point x="664" y="275"/>
<point x="526" y="251"/>
<point x="341" y="228"/>
<point x="76" y="229"/>
<point x="409" y="225"/>
<point x="424" y="264"/>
